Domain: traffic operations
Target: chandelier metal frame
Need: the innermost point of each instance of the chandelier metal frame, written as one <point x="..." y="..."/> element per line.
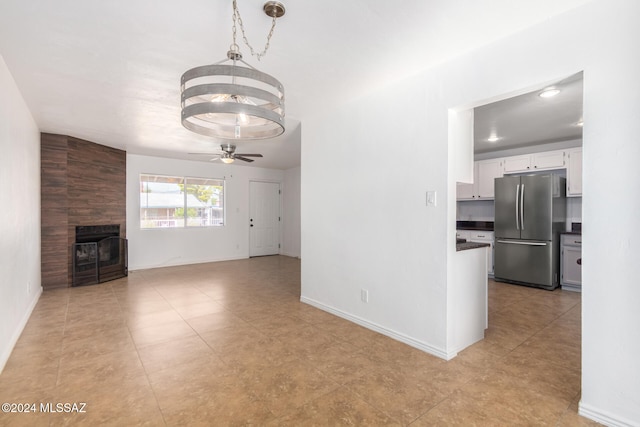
<point x="231" y="101"/>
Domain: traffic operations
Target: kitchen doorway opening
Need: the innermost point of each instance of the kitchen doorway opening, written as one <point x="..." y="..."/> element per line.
<point x="522" y="132"/>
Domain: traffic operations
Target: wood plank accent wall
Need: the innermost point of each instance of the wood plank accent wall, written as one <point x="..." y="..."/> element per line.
<point x="83" y="183"/>
<point x="53" y="211"/>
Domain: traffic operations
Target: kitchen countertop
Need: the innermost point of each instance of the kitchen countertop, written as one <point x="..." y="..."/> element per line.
<point x="474" y="225"/>
<point x="576" y="228"/>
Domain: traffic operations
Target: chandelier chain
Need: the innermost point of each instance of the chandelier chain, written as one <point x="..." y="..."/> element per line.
<point x="238" y="18"/>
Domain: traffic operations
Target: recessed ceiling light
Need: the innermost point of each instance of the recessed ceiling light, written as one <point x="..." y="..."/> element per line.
<point x="493" y="138"/>
<point x="579" y="123"/>
<point x="548" y="93"/>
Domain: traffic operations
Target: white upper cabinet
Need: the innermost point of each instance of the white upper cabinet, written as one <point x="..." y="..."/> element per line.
<point x="574" y="172"/>
<point x="484" y="174"/>
<point x="549" y="160"/>
<point x="537" y="161"/>
<point x="517" y="164"/>
<point x="464" y="191"/>
<point x="487" y="172"/>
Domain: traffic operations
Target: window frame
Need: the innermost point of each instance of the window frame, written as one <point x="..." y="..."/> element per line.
<point x="182" y="180"/>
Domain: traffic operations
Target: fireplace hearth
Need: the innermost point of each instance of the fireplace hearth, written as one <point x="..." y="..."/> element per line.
<point x="99" y="254"/>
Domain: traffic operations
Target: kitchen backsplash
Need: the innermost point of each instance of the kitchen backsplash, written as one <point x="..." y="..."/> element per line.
<point x="476" y="210"/>
<point x="483" y="210"/>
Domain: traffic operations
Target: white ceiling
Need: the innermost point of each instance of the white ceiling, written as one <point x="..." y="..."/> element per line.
<point x="529" y="119"/>
<point x="109" y="71"/>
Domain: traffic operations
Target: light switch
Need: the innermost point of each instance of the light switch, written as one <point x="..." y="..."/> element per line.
<point x="431" y="198"/>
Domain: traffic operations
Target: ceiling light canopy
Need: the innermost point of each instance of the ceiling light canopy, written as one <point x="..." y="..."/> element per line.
<point x="230" y="101"/>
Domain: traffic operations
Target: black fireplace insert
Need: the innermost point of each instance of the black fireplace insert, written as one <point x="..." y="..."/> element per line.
<point x="99" y="254"/>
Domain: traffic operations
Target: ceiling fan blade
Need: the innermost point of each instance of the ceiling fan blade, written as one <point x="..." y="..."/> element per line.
<point x="244" y="159"/>
<point x="248" y="155"/>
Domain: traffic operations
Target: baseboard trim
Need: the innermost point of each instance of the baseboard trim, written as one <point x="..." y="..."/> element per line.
<point x="290" y="254"/>
<point x="435" y="351"/>
<point x="603" y="417"/>
<point x="6" y="353"/>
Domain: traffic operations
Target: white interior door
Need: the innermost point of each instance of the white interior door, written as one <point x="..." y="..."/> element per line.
<point x="264" y="218"/>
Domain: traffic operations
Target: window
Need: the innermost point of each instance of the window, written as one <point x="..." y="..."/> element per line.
<point x="175" y="202"/>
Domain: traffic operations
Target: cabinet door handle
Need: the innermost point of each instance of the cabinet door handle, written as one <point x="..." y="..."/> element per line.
<point x="579" y="261"/>
<point x="516" y="242"/>
<point x="578" y="242"/>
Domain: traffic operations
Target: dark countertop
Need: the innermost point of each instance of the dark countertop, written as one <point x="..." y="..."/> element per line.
<point x="470" y="245"/>
<point x="474" y="225"/>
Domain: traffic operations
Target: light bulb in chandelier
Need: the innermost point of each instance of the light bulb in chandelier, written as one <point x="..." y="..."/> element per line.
<point x="241" y="119"/>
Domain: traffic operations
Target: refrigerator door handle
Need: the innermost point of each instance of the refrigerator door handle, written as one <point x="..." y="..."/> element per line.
<point x="517" y="242"/>
<point x="517" y="198"/>
<point x="522" y="208"/>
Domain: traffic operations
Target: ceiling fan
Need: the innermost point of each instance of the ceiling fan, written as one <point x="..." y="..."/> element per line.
<point x="228" y="154"/>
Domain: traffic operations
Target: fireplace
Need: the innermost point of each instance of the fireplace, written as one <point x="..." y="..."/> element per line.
<point x="99" y="254"/>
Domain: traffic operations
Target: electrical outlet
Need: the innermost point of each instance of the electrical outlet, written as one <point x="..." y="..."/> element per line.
<point x="364" y="295"/>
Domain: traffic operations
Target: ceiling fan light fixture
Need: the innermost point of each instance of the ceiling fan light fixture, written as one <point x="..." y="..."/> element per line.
<point x="549" y="93"/>
<point x="226" y="160"/>
<point x="231" y="99"/>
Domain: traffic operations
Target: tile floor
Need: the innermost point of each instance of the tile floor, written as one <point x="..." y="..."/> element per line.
<point x="229" y="343"/>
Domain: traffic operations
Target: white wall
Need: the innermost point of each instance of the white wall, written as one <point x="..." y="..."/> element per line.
<point x="291" y="213"/>
<point x="160" y="248"/>
<point x="20" y="283"/>
<point x="366" y="167"/>
<point x="378" y="155"/>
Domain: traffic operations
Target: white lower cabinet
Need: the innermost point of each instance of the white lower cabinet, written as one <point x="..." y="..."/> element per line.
<point x="571" y="262"/>
<point x="480" y="237"/>
<point x="484" y="237"/>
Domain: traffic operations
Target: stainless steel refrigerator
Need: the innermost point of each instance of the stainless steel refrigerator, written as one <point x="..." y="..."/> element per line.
<point x="530" y="213"/>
